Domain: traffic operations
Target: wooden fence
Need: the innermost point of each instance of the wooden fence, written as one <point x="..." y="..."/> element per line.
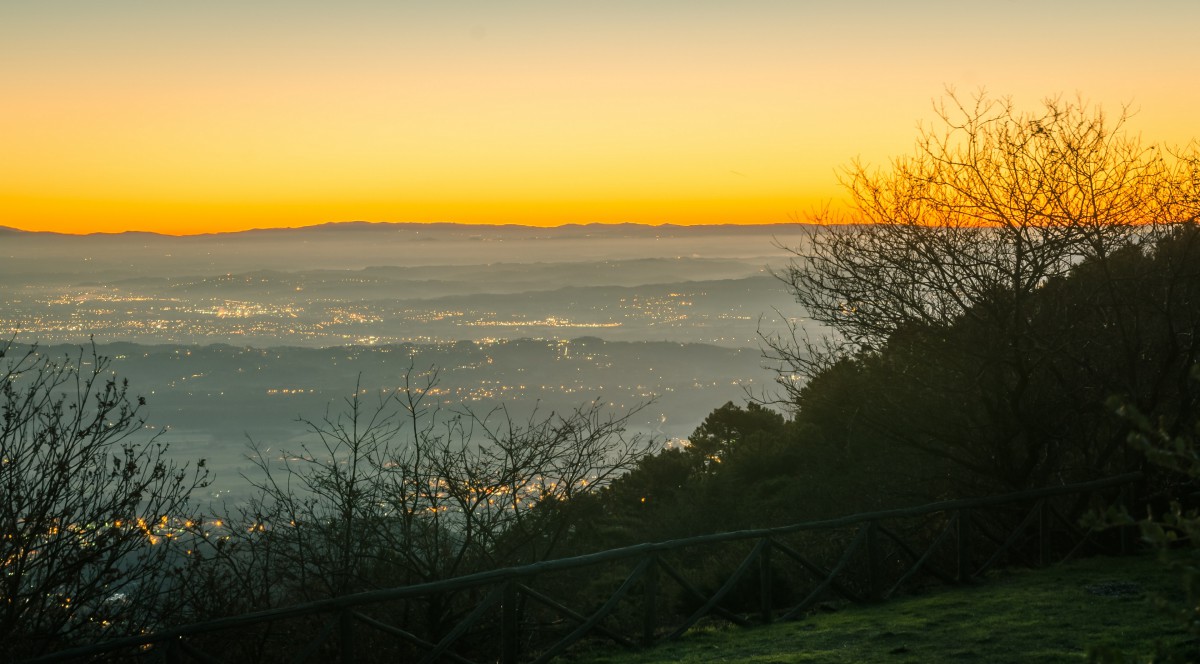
<point x="636" y="596"/>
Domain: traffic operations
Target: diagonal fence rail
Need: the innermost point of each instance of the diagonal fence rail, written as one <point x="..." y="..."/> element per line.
<point x="638" y="595"/>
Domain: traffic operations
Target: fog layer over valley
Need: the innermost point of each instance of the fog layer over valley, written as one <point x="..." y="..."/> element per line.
<point x="234" y="337"/>
<point x="366" y="284"/>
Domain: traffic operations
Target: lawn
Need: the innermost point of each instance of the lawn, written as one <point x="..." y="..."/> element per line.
<point x="1049" y="615"/>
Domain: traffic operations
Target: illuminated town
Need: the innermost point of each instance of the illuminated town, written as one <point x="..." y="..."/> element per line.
<point x="69" y="314"/>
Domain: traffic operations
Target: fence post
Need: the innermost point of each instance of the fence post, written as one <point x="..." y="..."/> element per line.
<point x="1044" y="532"/>
<point x="765" y="584"/>
<point x="508" y="623"/>
<point x="650" y="601"/>
<point x="346" y="635"/>
<point x="172" y="654"/>
<point x="874" y="570"/>
<point x="1123" y="502"/>
<point x="964" y="545"/>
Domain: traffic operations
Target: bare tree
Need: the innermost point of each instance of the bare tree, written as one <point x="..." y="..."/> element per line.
<point x="88" y="504"/>
<point x="992" y="204"/>
<point x="936" y="283"/>
<point x="393" y="489"/>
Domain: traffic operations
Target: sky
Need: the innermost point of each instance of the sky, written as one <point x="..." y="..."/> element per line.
<point x="190" y="117"/>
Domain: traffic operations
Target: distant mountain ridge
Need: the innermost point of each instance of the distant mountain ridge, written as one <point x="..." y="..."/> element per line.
<point x="574" y="230"/>
<point x="44" y="257"/>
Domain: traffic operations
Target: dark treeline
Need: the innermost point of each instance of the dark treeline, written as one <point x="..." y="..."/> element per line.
<point x="946" y="411"/>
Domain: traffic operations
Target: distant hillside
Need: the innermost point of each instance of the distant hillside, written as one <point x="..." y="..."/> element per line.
<point x="32" y="256"/>
<point x="453" y="230"/>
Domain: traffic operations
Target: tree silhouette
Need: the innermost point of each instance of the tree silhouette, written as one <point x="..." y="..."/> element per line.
<point x="89" y="505"/>
<point x="392" y="490"/>
<point x="992" y="289"/>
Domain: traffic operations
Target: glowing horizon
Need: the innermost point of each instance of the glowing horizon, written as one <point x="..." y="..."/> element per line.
<point x="791" y="222"/>
<point x="226" y="117"/>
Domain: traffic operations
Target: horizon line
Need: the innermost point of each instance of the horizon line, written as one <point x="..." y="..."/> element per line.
<point x="360" y="223"/>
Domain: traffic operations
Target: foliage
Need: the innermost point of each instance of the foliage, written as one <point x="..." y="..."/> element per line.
<point x="988" y="293"/>
<point x="1173" y="529"/>
<point x="88" y="504"/>
<point x="706" y="484"/>
<point x="745" y="467"/>
<point x="731" y="433"/>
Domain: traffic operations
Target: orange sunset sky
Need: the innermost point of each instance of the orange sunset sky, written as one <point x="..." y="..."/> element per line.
<point x="215" y="116"/>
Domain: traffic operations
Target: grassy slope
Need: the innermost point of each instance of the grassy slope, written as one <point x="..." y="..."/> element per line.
<point x="1049" y="615"/>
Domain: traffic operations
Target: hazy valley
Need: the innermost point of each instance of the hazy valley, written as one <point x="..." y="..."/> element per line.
<point x="234" y="337"/>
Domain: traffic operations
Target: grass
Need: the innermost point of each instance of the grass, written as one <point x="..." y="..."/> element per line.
<point x="1049" y="615"/>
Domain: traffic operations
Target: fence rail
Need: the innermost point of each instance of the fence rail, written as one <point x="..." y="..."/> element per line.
<point x="660" y="594"/>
